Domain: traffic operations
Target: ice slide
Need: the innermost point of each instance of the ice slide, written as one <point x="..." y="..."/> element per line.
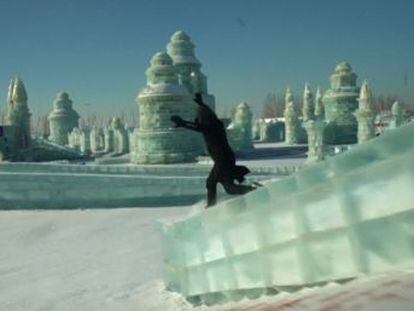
<point x="350" y="215"/>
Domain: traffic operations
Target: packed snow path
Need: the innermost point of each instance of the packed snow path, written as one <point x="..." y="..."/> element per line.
<point x="78" y="259"/>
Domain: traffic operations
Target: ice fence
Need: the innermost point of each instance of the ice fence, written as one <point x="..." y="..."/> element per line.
<point x="349" y="215"/>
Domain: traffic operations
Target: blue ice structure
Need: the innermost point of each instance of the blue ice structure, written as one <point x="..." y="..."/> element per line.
<point x="334" y="220"/>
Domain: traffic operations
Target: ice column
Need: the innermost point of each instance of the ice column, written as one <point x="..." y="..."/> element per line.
<point x="397" y="116"/>
<point x="308" y="106"/>
<point x="315" y="131"/>
<point x="96" y="137"/>
<point x="74" y="138"/>
<point x="85" y="141"/>
<point x="121" y="139"/>
<point x="365" y="114"/>
<point x="108" y="139"/>
<point x="291" y="119"/>
<point x="319" y="109"/>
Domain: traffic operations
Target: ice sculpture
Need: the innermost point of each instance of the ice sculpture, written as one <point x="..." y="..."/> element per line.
<point x="62" y="120"/>
<point x="365" y="114"/>
<point x="181" y="50"/>
<point x="16" y="142"/>
<point x="17" y="119"/>
<point x="397" y="115"/>
<point x="97" y="139"/>
<point x="159" y="142"/>
<point x="121" y="138"/>
<point x="292" y="125"/>
<point x="340" y="103"/>
<point x="85" y="141"/>
<point x="308" y="106"/>
<point x="74" y="138"/>
<point x="334" y="220"/>
<point x="319" y="109"/>
<point x="316" y="141"/>
<point x="108" y="139"/>
<point x="270" y="130"/>
<point x="240" y="130"/>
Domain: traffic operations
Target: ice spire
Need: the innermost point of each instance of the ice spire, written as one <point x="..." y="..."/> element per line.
<point x="397" y="116"/>
<point x="365" y="97"/>
<point x="319" y="108"/>
<point x="10" y="93"/>
<point x="365" y="114"/>
<point x="291" y="119"/>
<point x="307" y="109"/>
<point x="289" y="96"/>
<point x="19" y="94"/>
<point x="396" y="109"/>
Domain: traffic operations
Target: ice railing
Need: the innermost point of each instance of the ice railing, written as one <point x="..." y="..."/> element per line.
<point x="349" y="215"/>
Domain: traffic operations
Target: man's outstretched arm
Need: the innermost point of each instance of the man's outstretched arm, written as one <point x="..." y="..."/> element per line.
<point x="179" y="122"/>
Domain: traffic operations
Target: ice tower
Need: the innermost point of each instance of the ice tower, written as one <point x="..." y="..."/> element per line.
<point x="316" y="140"/>
<point x="108" y="139"/>
<point x="240" y="133"/>
<point x="397" y="115"/>
<point x="18" y="115"/>
<point x="308" y="106"/>
<point x="365" y="114"/>
<point x="159" y="142"/>
<point x="292" y="126"/>
<point x="62" y="120"/>
<point x="341" y="101"/>
<point x="121" y="139"/>
<point x="181" y="50"/>
<point x="319" y="109"/>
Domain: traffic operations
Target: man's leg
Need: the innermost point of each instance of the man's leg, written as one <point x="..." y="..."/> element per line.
<point x="211" y="185"/>
<point x="232" y="188"/>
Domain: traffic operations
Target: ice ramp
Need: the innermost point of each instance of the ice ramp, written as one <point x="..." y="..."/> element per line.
<point x="349" y="215"/>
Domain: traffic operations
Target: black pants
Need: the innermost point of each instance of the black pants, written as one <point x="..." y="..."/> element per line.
<point x="223" y="174"/>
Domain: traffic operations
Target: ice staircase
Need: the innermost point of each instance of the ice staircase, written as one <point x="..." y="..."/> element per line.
<point x="349" y="215"/>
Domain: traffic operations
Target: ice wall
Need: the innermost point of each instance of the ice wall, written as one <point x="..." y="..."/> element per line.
<point x="349" y="215"/>
<point x="41" y="185"/>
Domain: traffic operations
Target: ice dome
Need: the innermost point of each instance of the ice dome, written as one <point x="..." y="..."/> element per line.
<point x="161" y="58"/>
<point x="343" y="67"/>
<point x="180" y="36"/>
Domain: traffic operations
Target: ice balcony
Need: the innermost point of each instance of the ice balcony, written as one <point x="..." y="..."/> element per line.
<point x="352" y="214"/>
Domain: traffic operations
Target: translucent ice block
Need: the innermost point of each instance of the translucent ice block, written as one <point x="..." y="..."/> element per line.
<point x="336" y="219"/>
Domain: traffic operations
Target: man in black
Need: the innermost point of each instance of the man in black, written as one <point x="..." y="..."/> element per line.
<point x="225" y="170"/>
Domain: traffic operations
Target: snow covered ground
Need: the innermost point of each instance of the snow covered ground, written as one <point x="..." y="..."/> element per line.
<point x="79" y="259"/>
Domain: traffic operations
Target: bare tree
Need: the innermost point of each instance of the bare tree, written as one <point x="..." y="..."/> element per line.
<point x="272" y="106"/>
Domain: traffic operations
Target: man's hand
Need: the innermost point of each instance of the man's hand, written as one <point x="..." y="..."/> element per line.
<point x="198" y="99"/>
<point x="179" y="122"/>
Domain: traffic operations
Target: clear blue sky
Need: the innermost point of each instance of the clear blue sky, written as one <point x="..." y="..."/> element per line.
<point x="98" y="50"/>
